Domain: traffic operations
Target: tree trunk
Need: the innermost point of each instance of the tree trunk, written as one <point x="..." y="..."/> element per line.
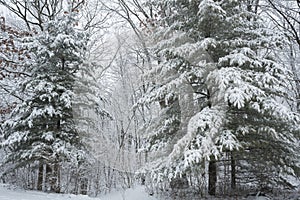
<point x="56" y="176"/>
<point x="212" y="176"/>
<point x="233" y="172"/>
<point x="40" y="177"/>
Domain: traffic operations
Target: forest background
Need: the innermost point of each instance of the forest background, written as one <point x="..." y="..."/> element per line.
<point x="187" y="97"/>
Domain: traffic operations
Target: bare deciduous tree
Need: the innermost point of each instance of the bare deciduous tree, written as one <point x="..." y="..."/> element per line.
<point x="35" y="12"/>
<point x="289" y="14"/>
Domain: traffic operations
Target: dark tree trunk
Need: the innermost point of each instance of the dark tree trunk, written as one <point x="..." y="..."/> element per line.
<point x="212" y="176"/>
<point x="233" y="172"/>
<point x="57" y="171"/>
<point x="40" y="177"/>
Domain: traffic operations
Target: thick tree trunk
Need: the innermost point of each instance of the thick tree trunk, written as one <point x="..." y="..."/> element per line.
<point x="212" y="176"/>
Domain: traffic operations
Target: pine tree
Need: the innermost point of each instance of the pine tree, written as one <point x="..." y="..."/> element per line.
<point x="221" y="50"/>
<point x="42" y="128"/>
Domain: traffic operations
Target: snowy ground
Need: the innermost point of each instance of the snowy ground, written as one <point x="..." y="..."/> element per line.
<point x="137" y="193"/>
<point x="16" y="194"/>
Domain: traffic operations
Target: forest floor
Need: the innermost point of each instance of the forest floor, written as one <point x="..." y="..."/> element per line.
<point x="12" y="193"/>
<point x="137" y="193"/>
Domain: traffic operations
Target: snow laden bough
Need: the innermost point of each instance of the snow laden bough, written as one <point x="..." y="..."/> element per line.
<point x="239" y="98"/>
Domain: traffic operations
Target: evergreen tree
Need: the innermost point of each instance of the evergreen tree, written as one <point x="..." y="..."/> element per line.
<point x="42" y="128"/>
<point x="221" y="49"/>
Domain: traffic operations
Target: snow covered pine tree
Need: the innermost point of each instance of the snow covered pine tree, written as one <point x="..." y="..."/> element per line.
<point x="221" y="50"/>
<point x="41" y="131"/>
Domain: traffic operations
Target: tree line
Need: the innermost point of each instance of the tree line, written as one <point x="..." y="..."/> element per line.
<point x="214" y="110"/>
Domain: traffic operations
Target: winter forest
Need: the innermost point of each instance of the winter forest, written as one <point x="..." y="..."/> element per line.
<point x="191" y="99"/>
